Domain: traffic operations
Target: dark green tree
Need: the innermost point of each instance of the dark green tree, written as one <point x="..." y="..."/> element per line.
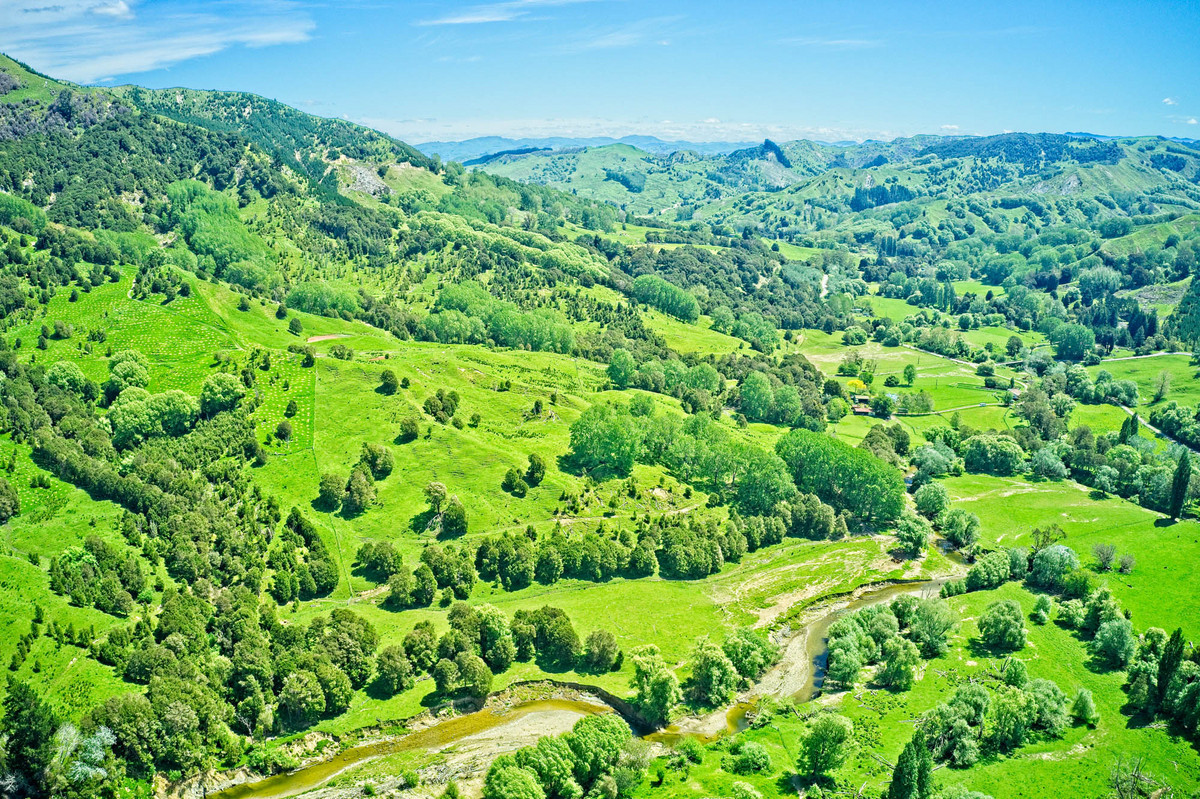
<point x="28" y="724"/>
<point x="913" y="776"/>
<point x="10" y="502"/>
<point x="1179" y="484"/>
<point x="1169" y="662"/>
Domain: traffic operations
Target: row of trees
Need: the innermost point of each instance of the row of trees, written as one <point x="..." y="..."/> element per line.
<point x="466" y="313"/>
<point x="667" y="297"/>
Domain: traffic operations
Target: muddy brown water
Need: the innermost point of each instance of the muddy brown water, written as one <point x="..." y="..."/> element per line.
<point x="737" y="715"/>
<point x="818" y="631"/>
<point x="436" y="736"/>
<point x="445" y="733"/>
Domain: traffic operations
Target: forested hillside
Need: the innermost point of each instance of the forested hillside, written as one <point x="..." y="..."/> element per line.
<point x="309" y="440"/>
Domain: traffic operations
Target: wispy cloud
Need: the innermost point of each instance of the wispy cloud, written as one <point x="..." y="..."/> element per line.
<point x="950" y="128"/>
<point x="120" y="8"/>
<point x="96" y="40"/>
<point x="833" y="43"/>
<point x="1170" y="101"/>
<point x="632" y="34"/>
<point x="1191" y="120"/>
<point x="512" y="11"/>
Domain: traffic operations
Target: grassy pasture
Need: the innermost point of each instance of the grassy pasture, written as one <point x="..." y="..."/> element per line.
<point x="1075" y="765"/>
<point x="687" y="338"/>
<point x="1184" y="386"/>
<point x="1162" y="587"/>
<point x="670" y="613"/>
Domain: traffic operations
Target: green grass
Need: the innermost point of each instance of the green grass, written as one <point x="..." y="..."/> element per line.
<point x="977" y="288"/>
<point x="1161" y="589"/>
<point x="1075" y="765"/>
<point x="889" y="307"/>
<point x="1184" y="385"/>
<point x="1100" y="418"/>
<point x="794" y="252"/>
<point x="670" y="613"/>
<point x="998" y="337"/>
<point x="696" y="338"/>
<point x="51" y="519"/>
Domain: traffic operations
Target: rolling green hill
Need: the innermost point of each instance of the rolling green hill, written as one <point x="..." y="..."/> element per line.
<point x="304" y="435"/>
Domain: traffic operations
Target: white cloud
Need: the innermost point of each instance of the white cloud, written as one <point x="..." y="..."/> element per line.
<point x="833" y="44"/>
<point x="89" y="41"/>
<point x="632" y="34"/>
<point x="950" y="128"/>
<point x="497" y="12"/>
<point x="1191" y="121"/>
<point x="1170" y="101"/>
<point x="116" y="9"/>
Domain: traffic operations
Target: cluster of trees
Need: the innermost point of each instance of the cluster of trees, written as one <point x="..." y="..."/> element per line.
<point x="895" y="636"/>
<point x="974" y="720"/>
<point x="759" y="399"/>
<point x="450" y="568"/>
<point x="1164" y="679"/>
<point x="697" y="449"/>
<point x="959" y="526"/>
<point x="166" y="482"/>
<point x="652" y="290"/>
<point x="483" y="642"/>
<point x="209" y="223"/>
<point x="518" y="483"/>
<point x="324" y="298"/>
<point x="1180" y="422"/>
<point x="47" y="756"/>
<point x="99" y="575"/>
<point x="700" y="386"/>
<point x="717" y="671"/>
<point x="193" y="715"/>
<point x="754" y="285"/>
<point x="846" y="478"/>
<point x="466" y="313"/>
<point x="598" y="757"/>
<point x="303" y="566"/>
<point x="1120" y="462"/>
<point x="356" y="493"/>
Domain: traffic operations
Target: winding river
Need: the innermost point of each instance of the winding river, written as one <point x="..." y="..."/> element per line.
<point x="805" y="648"/>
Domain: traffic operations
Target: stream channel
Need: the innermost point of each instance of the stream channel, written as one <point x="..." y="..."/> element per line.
<point x="804" y="648"/>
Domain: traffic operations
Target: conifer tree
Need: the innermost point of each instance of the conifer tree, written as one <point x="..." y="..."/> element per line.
<point x="1179" y="485"/>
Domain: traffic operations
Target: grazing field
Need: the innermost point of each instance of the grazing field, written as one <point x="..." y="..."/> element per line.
<point x="1183" y="386"/>
<point x="883" y="719"/>
<point x="1159" y="590"/>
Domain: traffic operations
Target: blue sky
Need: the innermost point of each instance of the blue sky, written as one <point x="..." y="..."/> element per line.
<point x="698" y="70"/>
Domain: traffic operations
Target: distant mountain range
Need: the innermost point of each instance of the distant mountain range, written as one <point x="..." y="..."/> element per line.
<point x="471" y="149"/>
<point x="478" y="150"/>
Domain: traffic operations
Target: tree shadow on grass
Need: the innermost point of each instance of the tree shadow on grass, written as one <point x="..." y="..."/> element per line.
<point x="420" y="522"/>
<point x="346" y="513"/>
<point x="437" y="698"/>
<point x="554" y="665"/>
<point x="376" y="690"/>
<point x="980" y="649"/>
<point x="568" y="463"/>
<point x="321" y="507"/>
<point x="369" y="574"/>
